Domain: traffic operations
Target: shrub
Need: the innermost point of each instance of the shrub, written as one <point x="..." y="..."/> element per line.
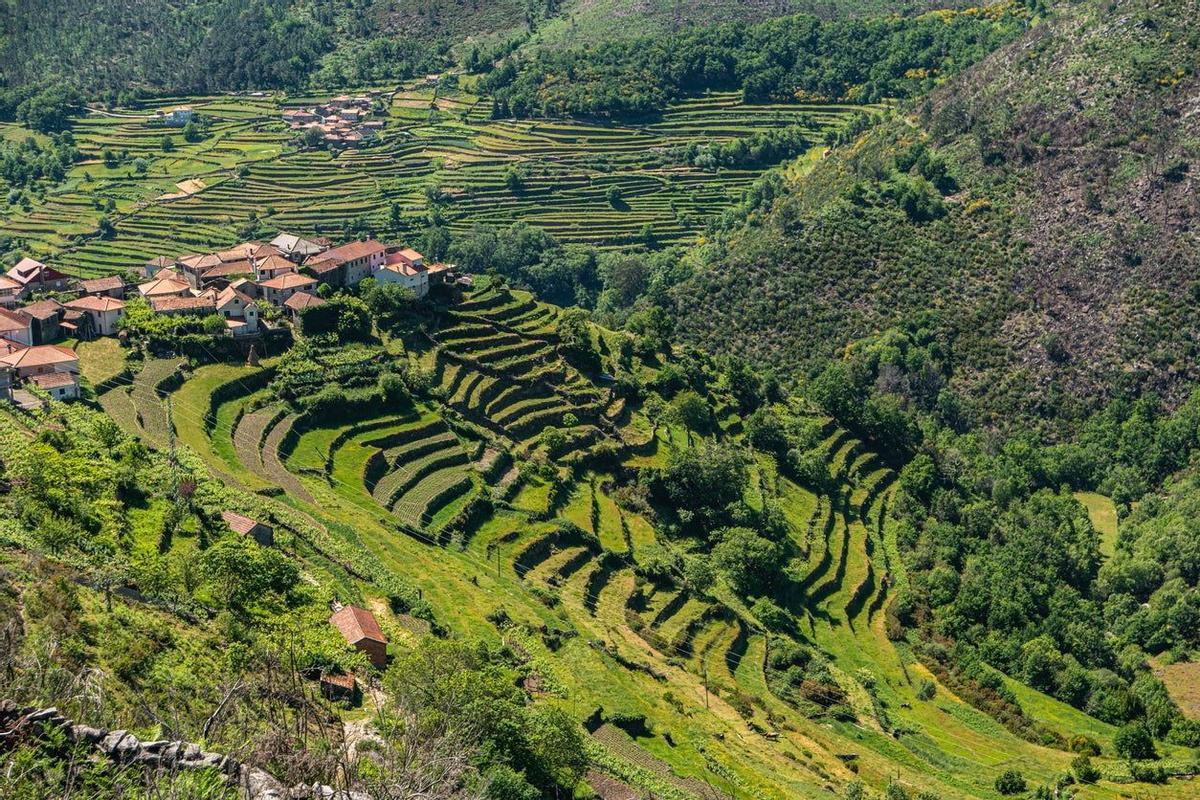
<point x="1134" y="742"/>
<point x="1084" y="745"/>
<point x="1085" y="771"/>
<point x="1010" y="782"/>
<point x="927" y="690"/>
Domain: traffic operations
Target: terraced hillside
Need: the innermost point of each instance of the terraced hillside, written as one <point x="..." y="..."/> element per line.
<point x="247" y="171"/>
<point x="686" y="691"/>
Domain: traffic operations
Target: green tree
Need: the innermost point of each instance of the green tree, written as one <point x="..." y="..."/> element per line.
<point x="192" y="132"/>
<point x="1134" y="742"/>
<point x="557" y="746"/>
<point x="1010" y="782"/>
<point x="748" y="561"/>
<point x="242" y="574"/>
<point x="702" y="482"/>
<point x="313" y="138"/>
<point x="693" y="411"/>
<point x="514" y="179"/>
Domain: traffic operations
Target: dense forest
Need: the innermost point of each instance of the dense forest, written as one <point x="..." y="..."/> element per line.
<point x="119" y="54"/>
<point x="791" y="58"/>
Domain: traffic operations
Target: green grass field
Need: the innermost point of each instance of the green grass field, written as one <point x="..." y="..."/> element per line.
<point x="1103" y="515"/>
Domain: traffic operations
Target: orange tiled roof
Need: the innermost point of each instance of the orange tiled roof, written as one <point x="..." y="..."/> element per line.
<point x="14" y="320"/>
<point x="54" y="380"/>
<point x="289" y="280"/>
<point x="102" y="284"/>
<point x="186" y="303"/>
<point x="94" y="303"/>
<point x="357" y="624"/>
<point x="355" y="250"/>
<point x="43" y="355"/>
<point x="160" y="287"/>
<point x="238" y="523"/>
<point x="302" y="300"/>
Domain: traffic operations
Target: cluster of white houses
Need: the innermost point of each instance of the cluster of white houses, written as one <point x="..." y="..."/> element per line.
<point x="40" y="305"/>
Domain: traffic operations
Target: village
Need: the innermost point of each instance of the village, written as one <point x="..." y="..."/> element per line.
<point x="341" y="121"/>
<point x="42" y="307"/>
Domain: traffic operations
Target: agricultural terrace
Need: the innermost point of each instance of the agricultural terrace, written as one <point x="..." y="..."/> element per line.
<point x="507" y="493"/>
<point x="605" y="184"/>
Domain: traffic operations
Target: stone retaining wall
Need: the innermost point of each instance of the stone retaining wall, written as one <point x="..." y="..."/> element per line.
<point x="123" y="747"/>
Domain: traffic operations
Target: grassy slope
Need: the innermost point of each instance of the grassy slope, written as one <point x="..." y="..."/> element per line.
<point x="950" y="747"/>
<point x="1103" y="515"/>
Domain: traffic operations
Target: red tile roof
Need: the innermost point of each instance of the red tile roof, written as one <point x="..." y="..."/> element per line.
<point x="43" y="355"/>
<point x="274" y="263"/>
<point x="324" y="266"/>
<point x="96" y="285"/>
<point x="29" y="271"/>
<point x="7" y="346"/>
<point x="186" y="303"/>
<point x="94" y="303"/>
<point x="241" y="267"/>
<point x="43" y="309"/>
<point x="289" y="280"/>
<point x="342" y="681"/>
<point x="230" y="293"/>
<point x="238" y="523"/>
<point x="302" y="300"/>
<point x="54" y="380"/>
<point x="239" y="251"/>
<point x="200" y="262"/>
<point x="14" y="320"/>
<point x="355" y="250"/>
<point x="160" y="287"/>
<point x="356" y="624"/>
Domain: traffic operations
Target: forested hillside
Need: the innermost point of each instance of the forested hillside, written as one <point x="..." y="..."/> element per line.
<point x="1035" y="212"/>
<point x="797" y="58"/>
<point x="605" y="399"/>
<point x="118" y="52"/>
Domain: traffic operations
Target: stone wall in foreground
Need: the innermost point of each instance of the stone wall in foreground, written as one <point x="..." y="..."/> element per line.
<point x="167" y="757"/>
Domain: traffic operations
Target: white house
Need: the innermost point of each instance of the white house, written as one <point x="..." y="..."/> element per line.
<point x="10" y="291"/>
<point x="175" y="117"/>
<point x="350" y="263"/>
<point x="16" y="326"/>
<point x="34" y="276"/>
<point x="272" y="267"/>
<point x="105" y="312"/>
<point x="239" y="311"/>
<point x="49" y="366"/>
<point x="403" y="271"/>
<point x="279" y="289"/>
